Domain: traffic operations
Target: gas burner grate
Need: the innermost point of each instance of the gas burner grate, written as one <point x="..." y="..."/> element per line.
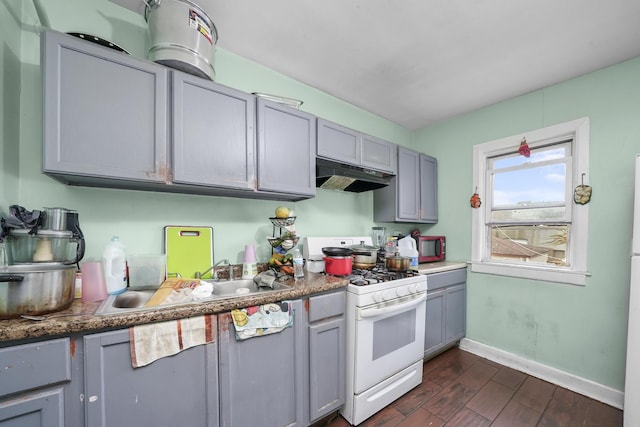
<point x="378" y="274"/>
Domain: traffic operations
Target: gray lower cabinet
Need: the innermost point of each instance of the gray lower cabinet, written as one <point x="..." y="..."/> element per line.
<point x="446" y="310"/>
<point x="412" y="195"/>
<point x="35" y="385"/>
<point x="286" y="150"/>
<point x="339" y="143"/>
<point x="105" y="114"/>
<point x="172" y="391"/>
<point x="327" y="355"/>
<point x="261" y="378"/>
<point x="37" y="409"/>
<point x="213" y="134"/>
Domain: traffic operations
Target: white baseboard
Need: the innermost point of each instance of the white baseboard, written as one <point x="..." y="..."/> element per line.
<point x="555" y="376"/>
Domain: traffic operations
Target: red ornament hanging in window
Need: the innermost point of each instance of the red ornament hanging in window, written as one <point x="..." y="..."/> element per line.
<point x="524" y="148"/>
<point x="475" y="201"/>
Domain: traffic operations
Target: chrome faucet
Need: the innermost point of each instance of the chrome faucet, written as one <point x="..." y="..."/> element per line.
<point x="215" y="273"/>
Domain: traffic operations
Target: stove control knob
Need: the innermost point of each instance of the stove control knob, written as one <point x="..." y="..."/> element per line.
<point x="378" y="297"/>
<point x="401" y="292"/>
<point x="413" y="288"/>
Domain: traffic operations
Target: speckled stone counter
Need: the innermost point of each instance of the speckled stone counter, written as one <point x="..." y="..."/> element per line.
<point x="80" y="316"/>
<point x="439" y="267"/>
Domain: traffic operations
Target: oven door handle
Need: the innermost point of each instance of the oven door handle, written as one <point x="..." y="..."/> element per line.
<point x="373" y="312"/>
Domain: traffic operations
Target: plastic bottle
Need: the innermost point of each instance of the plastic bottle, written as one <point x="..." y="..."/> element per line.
<point x="298" y="264"/>
<point x="114" y="265"/>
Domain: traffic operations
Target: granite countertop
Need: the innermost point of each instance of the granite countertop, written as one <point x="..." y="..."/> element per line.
<point x="439" y="267"/>
<point x="80" y="316"/>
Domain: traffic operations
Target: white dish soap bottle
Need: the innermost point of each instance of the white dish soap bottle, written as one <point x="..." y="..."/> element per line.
<point x="114" y="265"/>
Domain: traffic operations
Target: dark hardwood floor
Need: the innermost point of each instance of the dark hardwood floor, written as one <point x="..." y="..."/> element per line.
<point x="462" y="389"/>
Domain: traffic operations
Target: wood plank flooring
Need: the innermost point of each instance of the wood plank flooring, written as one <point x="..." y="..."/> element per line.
<point x="462" y="389"/>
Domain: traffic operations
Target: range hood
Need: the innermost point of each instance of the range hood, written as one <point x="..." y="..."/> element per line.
<point x="342" y="177"/>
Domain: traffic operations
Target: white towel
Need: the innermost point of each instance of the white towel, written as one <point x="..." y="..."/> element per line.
<point x="156" y="340"/>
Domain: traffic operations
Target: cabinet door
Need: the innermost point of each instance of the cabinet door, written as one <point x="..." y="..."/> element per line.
<point x="428" y="189"/>
<point x="171" y="391"/>
<point x="261" y="378"/>
<point x="42" y="409"/>
<point x="286" y="149"/>
<point x="407" y="185"/>
<point x="434" y="332"/>
<point x="327" y="360"/>
<point x="105" y="113"/>
<point x="213" y="134"/>
<point x="379" y="154"/>
<point x="455" y="313"/>
<point x="336" y="142"/>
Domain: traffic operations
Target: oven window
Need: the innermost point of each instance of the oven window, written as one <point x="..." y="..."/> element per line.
<point x="393" y="333"/>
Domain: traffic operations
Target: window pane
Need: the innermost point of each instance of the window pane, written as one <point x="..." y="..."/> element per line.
<point x="536" y="186"/>
<point x="537" y="155"/>
<point x="540" y="244"/>
<point x="555" y="214"/>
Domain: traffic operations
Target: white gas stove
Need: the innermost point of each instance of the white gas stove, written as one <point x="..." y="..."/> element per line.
<point x="385" y="317"/>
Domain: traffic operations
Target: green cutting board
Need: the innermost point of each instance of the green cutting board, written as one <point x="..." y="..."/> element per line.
<point x="188" y="249"/>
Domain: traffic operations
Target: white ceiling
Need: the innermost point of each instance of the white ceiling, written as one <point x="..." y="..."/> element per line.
<point x="417" y="62"/>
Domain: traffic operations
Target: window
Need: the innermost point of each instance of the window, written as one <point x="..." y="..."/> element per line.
<point x="528" y="225"/>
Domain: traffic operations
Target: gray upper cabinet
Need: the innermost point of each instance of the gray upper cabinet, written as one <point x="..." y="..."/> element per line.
<point x="105" y="113"/>
<point x="116" y="121"/>
<point x="378" y="154"/>
<point x="213" y="134"/>
<point x="344" y="145"/>
<point x="336" y="142"/>
<point x="286" y="150"/>
<point x="171" y="391"/>
<point x="412" y="195"/>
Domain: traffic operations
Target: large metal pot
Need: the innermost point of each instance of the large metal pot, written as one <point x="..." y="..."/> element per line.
<point x="36" y="289"/>
<point x="398" y="263"/>
<point x="364" y="256"/>
<point x="183" y="36"/>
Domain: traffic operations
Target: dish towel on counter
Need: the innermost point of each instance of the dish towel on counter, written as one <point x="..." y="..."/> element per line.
<point x="261" y="320"/>
<point x="156" y="340"/>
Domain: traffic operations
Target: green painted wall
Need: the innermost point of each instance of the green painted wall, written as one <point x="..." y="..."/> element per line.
<point x="581" y="330"/>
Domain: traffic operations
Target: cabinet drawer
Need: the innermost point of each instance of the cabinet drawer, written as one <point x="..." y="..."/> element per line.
<point x="34" y="365"/>
<point x="328" y="305"/>
<point x="446" y="278"/>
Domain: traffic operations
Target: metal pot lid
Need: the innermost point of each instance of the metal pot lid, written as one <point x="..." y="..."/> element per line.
<point x="19" y="232"/>
<point x="363" y="248"/>
<point x="36" y="267"/>
<point x="337" y="251"/>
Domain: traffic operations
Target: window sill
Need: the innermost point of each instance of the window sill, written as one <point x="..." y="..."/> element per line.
<point x="544" y="274"/>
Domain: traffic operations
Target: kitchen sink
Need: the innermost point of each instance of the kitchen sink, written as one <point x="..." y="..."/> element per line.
<point x="242" y="287"/>
<point x="134" y="300"/>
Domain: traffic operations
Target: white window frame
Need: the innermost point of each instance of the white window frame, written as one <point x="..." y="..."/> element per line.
<point x="480" y="261"/>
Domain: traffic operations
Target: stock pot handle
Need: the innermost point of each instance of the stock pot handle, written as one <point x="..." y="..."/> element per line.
<point x="11" y="278"/>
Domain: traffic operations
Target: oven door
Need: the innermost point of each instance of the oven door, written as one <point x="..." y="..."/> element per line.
<point x="389" y="338"/>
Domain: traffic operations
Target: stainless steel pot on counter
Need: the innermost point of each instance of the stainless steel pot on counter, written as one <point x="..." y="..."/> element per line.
<point x="36" y="289"/>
